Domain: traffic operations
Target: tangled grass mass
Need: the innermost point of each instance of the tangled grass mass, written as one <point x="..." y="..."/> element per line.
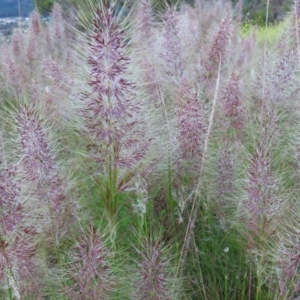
<point x="150" y="156"/>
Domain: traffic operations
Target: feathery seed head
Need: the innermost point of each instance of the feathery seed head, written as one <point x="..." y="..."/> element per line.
<point x="35" y="150"/>
<point x="89" y="268"/>
<point x="17" y="42"/>
<point x="110" y="115"/>
<point x="153" y="280"/>
<point x="35" y="23"/>
<point x="261" y="191"/>
<point x="31" y="49"/>
<point x="232" y="103"/>
<point x="225" y="174"/>
<point x="173" y="54"/>
<point x="145" y="22"/>
<point x="39" y="169"/>
<point x="190" y="115"/>
<point x="218" y="48"/>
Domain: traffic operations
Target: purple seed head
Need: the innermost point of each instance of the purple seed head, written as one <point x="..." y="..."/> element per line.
<point x="11" y="210"/>
<point x="15" y="76"/>
<point x="225" y="176"/>
<point x="153" y="280"/>
<point x="89" y="268"/>
<point x="17" y="42"/>
<point x="190" y="114"/>
<point x="39" y="169"/>
<point x="35" y="23"/>
<point x="57" y="18"/>
<point x="17" y="237"/>
<point x="218" y="47"/>
<point x="232" y="103"/>
<point x="260" y="193"/>
<point x="110" y="115"/>
<point x="145" y="22"/>
<point x="31" y="49"/>
<point x="173" y="53"/>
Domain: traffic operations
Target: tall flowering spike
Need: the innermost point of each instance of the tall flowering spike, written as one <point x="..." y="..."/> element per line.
<point x="108" y="65"/>
<point x="17" y="264"/>
<point x="154" y="275"/>
<point x="218" y="48"/>
<point x="151" y="82"/>
<point x="261" y="203"/>
<point x="31" y="52"/>
<point x="276" y="81"/>
<point x="54" y="72"/>
<point x="17" y="42"/>
<point x="288" y="275"/>
<point x="110" y="115"/>
<point x="232" y="103"/>
<point x="35" y="23"/>
<point x="38" y="165"/>
<point x="145" y="22"/>
<point x="15" y="77"/>
<point x="89" y="268"/>
<point x="225" y="179"/>
<point x="191" y="129"/>
<point x="58" y="29"/>
<point x="17" y="238"/>
<point x="11" y="210"/>
<point x="288" y="257"/>
<point x="173" y="53"/>
<point x="35" y="29"/>
<point x="37" y="160"/>
<point x="282" y="85"/>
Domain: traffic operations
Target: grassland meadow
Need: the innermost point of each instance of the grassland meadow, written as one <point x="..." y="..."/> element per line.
<point x="150" y="155"/>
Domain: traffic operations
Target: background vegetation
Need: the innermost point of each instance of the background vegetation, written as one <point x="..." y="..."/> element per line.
<point x="252" y="10"/>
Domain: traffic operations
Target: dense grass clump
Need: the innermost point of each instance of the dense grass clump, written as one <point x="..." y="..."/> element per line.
<point x="150" y="155"/>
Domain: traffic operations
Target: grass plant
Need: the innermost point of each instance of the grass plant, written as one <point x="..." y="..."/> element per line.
<point x="150" y="155"/>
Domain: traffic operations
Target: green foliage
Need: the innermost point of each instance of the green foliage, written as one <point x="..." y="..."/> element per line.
<point x="44" y="6"/>
<point x="270" y="34"/>
<point x="256" y="11"/>
<point x="224" y="271"/>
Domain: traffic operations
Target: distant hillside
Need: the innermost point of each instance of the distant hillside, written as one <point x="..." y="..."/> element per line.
<point x="10" y="8"/>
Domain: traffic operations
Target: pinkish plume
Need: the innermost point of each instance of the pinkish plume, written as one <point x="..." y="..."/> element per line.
<point x="190" y="115"/>
<point x="35" y="23"/>
<point x="17" y="239"/>
<point x="38" y="165"/>
<point x="57" y="17"/>
<point x="16" y="77"/>
<point x="31" y="49"/>
<point x="261" y="190"/>
<point x="11" y="209"/>
<point x="224" y="191"/>
<point x="109" y="114"/>
<point x="153" y="280"/>
<point x="89" y="268"/>
<point x="17" y="42"/>
<point x="145" y="22"/>
<point x="218" y="48"/>
<point x="232" y="103"/>
<point x="173" y="54"/>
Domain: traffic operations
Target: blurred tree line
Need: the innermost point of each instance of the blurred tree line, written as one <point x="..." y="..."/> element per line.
<point x="253" y="10"/>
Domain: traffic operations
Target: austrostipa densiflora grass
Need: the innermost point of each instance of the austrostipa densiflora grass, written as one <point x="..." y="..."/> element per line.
<point x="110" y="109"/>
<point x="149" y="154"/>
